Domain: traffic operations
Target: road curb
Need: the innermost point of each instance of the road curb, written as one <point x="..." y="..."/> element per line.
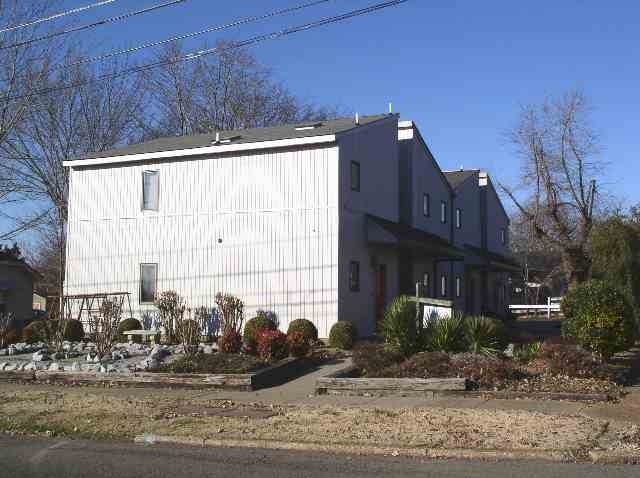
<point x="414" y="452"/>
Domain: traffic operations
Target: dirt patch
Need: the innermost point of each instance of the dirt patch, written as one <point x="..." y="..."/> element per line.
<point x="90" y="414"/>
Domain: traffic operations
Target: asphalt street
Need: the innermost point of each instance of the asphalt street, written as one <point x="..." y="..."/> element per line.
<point x="27" y="457"/>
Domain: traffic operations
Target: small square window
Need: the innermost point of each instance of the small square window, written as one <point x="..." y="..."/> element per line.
<point x="458" y="287"/>
<point x="150" y="190"/>
<point x="354" y="276"/>
<point x="355" y="176"/>
<point x="443" y="285"/>
<point x="443" y="212"/>
<point x="458" y="218"/>
<point x="148" y="283"/>
<point x="426" y="205"/>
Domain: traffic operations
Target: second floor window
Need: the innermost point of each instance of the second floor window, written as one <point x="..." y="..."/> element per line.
<point x="426" y="205"/>
<point x="458" y="218"/>
<point x="354" y="276"/>
<point x="503" y="236"/>
<point x="355" y="176"/>
<point x="150" y="190"/>
<point x="443" y="212"/>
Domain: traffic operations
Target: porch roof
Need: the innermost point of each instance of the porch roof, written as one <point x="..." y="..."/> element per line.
<point x="495" y="261"/>
<point x="384" y="232"/>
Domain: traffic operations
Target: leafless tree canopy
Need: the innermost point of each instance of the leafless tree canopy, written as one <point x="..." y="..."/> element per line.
<point x="557" y="195"/>
<point x="221" y="92"/>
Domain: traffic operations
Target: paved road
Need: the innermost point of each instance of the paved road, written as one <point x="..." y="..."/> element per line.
<point x="27" y="458"/>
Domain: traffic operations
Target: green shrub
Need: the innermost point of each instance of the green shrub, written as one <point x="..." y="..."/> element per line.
<point x="484" y="335"/>
<point x="230" y="342"/>
<point x="307" y="328"/>
<point x="599" y="317"/>
<point x="272" y="345"/>
<point x="74" y="331"/>
<point x="400" y="326"/>
<point x="342" y="335"/>
<point x="445" y="334"/>
<point x="525" y="353"/>
<point x="255" y="325"/>
<point x="34" y="332"/>
<point x="372" y="358"/>
<point x="298" y="344"/>
<point x="126" y="325"/>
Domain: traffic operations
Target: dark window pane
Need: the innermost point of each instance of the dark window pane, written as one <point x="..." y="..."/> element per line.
<point x="355" y="176"/>
<point x="354" y="276"/>
<point x="148" y="282"/>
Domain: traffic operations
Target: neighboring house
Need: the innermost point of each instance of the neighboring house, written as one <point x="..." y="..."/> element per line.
<point x="16" y="285"/>
<point x="481" y="227"/>
<point x="327" y="220"/>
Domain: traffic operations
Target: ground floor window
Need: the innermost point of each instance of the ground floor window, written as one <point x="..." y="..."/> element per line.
<point x="3" y="301"/>
<point x="148" y="283"/>
<point x="458" y="287"/>
<point x="354" y="276"/>
<point x="425" y="283"/>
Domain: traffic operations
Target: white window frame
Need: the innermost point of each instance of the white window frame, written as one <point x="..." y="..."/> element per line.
<point x="426" y="205"/>
<point x="443" y="212"/>
<point x="458" y="287"/>
<point x="144" y="203"/>
<point x="458" y="218"/>
<point x="503" y="236"/>
<point x="443" y="285"/>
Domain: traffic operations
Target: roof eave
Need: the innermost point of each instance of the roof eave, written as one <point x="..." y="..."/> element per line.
<point x="207" y="150"/>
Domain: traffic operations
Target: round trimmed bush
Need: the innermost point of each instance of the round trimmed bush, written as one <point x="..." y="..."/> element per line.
<point x="342" y="335"/>
<point x="74" y="331"/>
<point x="34" y="332"/>
<point x="599" y="317"/>
<point x="298" y="344"/>
<point x="255" y="325"/>
<point x="306" y="327"/>
<point x="126" y="325"/>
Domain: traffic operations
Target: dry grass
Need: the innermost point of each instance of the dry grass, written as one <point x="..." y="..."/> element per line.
<point x="89" y="413"/>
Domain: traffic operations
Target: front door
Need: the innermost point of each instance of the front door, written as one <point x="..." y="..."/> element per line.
<point x="381" y="293"/>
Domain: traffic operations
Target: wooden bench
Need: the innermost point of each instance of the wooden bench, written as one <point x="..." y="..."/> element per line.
<point x="146" y="335"/>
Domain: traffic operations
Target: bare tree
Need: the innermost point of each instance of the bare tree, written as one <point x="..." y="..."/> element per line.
<point x="226" y="91"/>
<point x="65" y="124"/>
<point x="557" y="196"/>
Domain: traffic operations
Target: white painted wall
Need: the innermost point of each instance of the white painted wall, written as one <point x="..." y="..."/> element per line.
<point x="275" y="212"/>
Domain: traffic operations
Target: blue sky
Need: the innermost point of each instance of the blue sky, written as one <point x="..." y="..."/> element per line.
<point x="459" y="69"/>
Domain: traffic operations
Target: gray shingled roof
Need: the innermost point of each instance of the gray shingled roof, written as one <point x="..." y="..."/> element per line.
<point x="456" y="178"/>
<point x="252" y="135"/>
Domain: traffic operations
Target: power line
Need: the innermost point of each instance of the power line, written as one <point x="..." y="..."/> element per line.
<point x="210" y="51"/>
<point x="235" y="23"/>
<point x="99" y="23"/>
<point x="55" y="16"/>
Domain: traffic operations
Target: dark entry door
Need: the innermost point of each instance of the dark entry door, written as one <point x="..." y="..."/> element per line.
<point x="381" y="292"/>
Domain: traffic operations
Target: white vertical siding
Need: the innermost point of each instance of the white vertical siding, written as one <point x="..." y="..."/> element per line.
<point x="262" y="226"/>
